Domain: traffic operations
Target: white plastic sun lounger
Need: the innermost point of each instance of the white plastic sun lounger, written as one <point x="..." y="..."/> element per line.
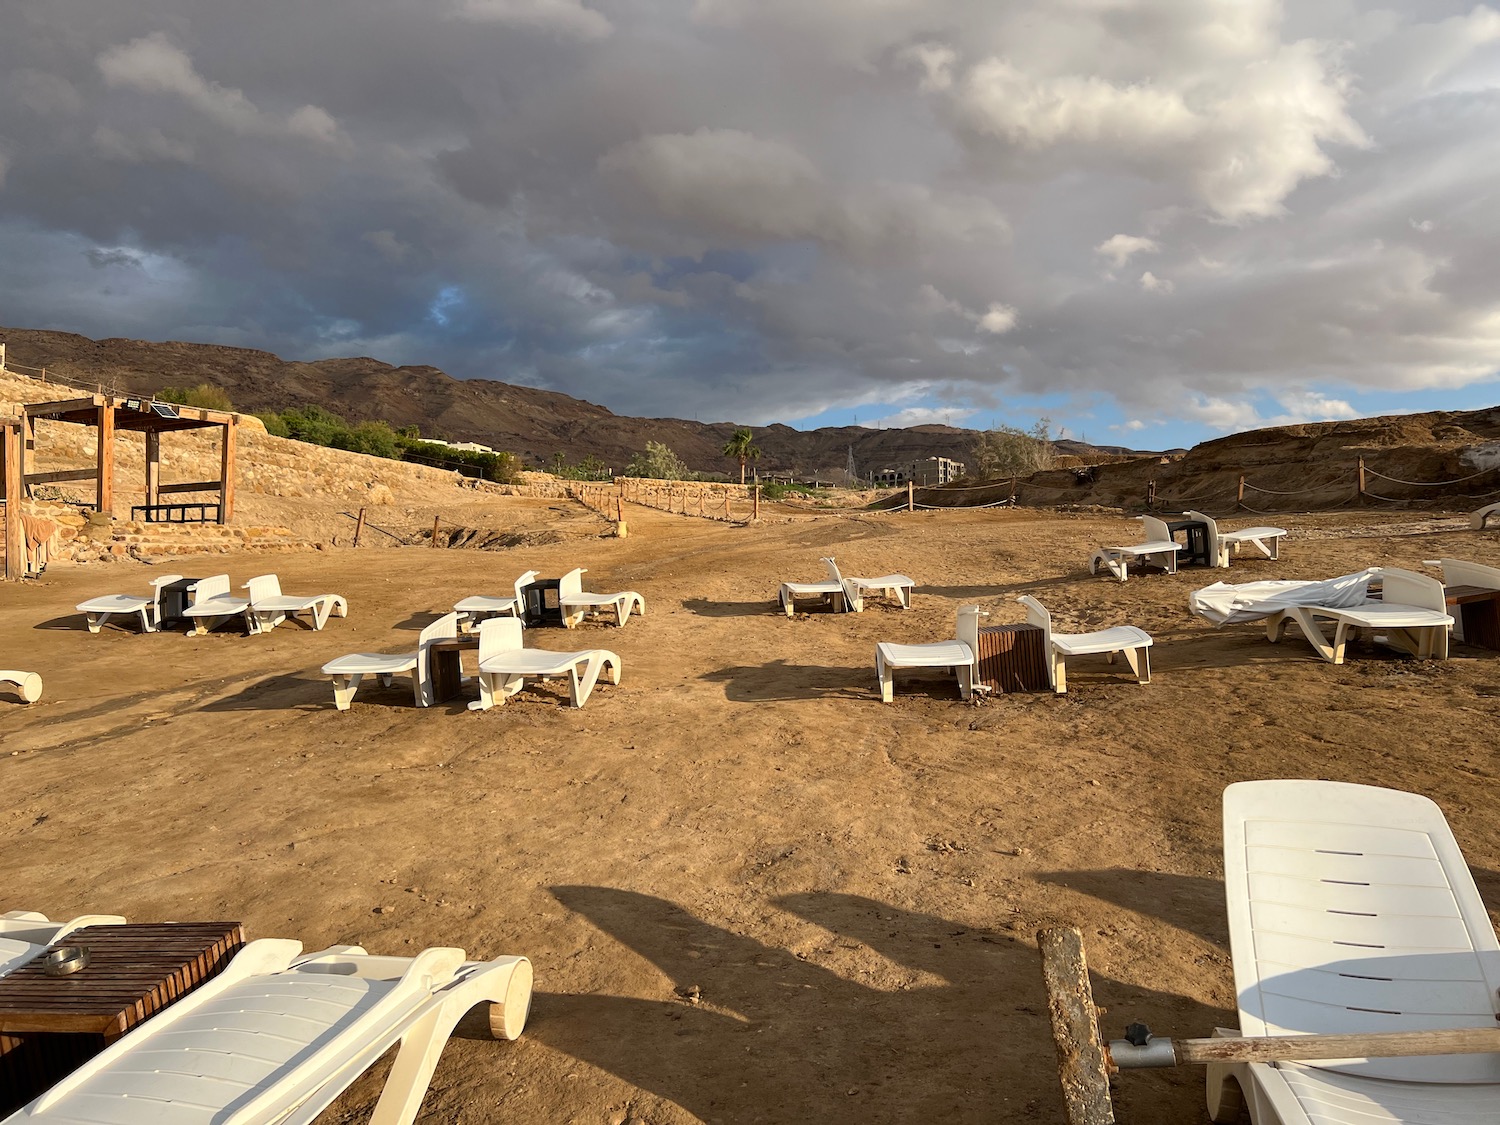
<point x="471" y="611"/>
<point x="25" y="934"/>
<point x="832" y="589"/>
<point x="1481" y="516"/>
<point x="505" y="665"/>
<point x="28" y="684"/>
<point x="1126" y="640"/>
<point x="1351" y="910"/>
<point x="269" y="607"/>
<point x="1159" y="549"/>
<point x="896" y="586"/>
<point x="213" y="605"/>
<point x="146" y="607"/>
<point x="960" y="654"/>
<point x="348" y="671"/>
<point x="1226" y="604"/>
<point x="577" y="604"/>
<point x="275" y="1038"/>
<point x="1411" y="616"/>
<point x="1266" y="540"/>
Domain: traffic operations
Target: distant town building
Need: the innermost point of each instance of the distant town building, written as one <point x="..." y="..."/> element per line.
<point x="460" y="446"/>
<point x="928" y="471"/>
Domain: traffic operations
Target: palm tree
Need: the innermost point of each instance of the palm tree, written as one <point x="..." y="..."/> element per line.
<point x="741" y="448"/>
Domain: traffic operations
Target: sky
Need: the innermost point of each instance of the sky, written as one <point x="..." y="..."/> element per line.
<point x="1149" y="221"/>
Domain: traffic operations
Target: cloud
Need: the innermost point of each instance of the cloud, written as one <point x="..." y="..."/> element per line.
<point x="920" y="416"/>
<point x="998" y="320"/>
<point x="561" y="17"/>
<point x="1120" y="248"/>
<point x="1153" y="284"/>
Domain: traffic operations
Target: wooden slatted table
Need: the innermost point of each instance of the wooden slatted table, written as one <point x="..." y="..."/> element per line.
<point x="445" y="665"/>
<point x="49" y="1026"/>
<point x="1013" y="658"/>
<point x="1479" y="609"/>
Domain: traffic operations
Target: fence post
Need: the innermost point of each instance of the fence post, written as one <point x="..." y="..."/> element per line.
<point x="1151" y="495"/>
<point x="1361" y="476"/>
<point x="909" y="490"/>
<point x="359" y="526"/>
<point x="755" y="503"/>
<point x="1012" y="490"/>
<point x="435" y="530"/>
<point x="1241" y="496"/>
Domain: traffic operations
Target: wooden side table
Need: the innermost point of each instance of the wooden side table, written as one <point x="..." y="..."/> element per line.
<point x="445" y="665"/>
<point x="1013" y="658"/>
<point x="49" y="1026"/>
<point x="1479" y="611"/>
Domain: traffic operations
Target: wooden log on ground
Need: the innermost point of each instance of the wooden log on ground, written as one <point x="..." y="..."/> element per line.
<point x="1082" y="1062"/>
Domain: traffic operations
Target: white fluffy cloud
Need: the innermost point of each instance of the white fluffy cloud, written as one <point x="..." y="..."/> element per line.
<point x="767" y="208"/>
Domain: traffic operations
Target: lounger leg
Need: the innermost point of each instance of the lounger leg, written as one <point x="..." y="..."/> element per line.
<point x="1059" y="673"/>
<point x="1139" y="660"/>
<point x="344" y="688"/>
<point x="786" y="601"/>
<point x="96" y="621"/>
<point x="965" y="680"/>
<point x="486" y="698"/>
<point x="903" y="595"/>
<point x="886" y="680"/>
<point x="579" y="687"/>
<point x="622" y="612"/>
<point x="147" y="625"/>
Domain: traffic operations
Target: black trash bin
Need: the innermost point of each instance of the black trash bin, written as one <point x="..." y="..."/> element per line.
<point x="541" y="603"/>
<point x="175" y="598"/>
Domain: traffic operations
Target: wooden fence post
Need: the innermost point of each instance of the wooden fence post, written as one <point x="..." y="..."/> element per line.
<point x="359" y="526"/>
<point x="910" y="506"/>
<point x="1151" y="494"/>
<point x="435" y="530"/>
<point x="755" y="503"/>
<point x="1361" y="476"/>
<point x="1241" y="496"/>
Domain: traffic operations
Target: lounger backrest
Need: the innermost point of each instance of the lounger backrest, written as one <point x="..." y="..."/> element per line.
<point x="572" y="582"/>
<point x="1457" y="572"/>
<point x="968" y="628"/>
<point x="216" y="586"/>
<point x="1156" y="530"/>
<point x="1036" y="614"/>
<point x="832" y="568"/>
<point x="262" y="587"/>
<point x="443" y="628"/>
<point x="1406" y="587"/>
<point x="1351" y="909"/>
<point x="497" y="635"/>
<point x="522" y="582"/>
<point x="157" y="585"/>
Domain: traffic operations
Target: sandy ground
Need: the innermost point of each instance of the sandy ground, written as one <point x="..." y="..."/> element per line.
<point x="752" y="892"/>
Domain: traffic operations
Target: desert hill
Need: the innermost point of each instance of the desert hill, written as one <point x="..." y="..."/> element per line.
<point x="532" y="423"/>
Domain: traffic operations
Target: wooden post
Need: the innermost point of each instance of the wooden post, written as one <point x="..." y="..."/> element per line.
<point x="153" y="467"/>
<point x="910" y="506"/>
<point x="105" y="485"/>
<point x="1012" y="490"/>
<point x="1151" y="494"/>
<point x="1081" y="1060"/>
<point x="226" y="475"/>
<point x="359" y="526"/>
<point x="619" y="510"/>
<point x="11" y="459"/>
<point x="755" y="503"/>
<point x="1361" y="476"/>
<point x="727" y="514"/>
<point x="434" y="530"/>
<point x="1241" y="496"/>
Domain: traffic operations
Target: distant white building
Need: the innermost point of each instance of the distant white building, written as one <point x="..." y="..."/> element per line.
<point x="928" y="471"/>
<point x="459" y="446"/>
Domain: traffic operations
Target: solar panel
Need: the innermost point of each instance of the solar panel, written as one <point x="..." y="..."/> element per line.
<point x="164" y="410"/>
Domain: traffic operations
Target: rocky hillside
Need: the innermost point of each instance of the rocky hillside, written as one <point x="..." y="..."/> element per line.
<point x="532" y="423"/>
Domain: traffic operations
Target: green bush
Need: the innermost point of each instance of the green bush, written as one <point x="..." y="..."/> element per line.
<point x="205" y="396"/>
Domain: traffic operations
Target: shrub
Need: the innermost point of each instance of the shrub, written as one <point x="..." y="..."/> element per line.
<point x="657" y="462"/>
<point x="1007" y="451"/>
<point x="205" y="396"/>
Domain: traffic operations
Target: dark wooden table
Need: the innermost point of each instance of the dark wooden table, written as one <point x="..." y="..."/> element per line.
<point x="445" y="665"/>
<point x="49" y="1026"/>
<point x="1479" y="610"/>
<point x="1013" y="658"/>
<point x="1195" y="542"/>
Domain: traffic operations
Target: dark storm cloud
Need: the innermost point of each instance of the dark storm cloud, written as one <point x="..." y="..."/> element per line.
<point x="757" y="209"/>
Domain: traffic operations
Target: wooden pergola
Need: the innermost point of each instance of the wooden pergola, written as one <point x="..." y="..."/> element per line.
<point x="109" y="414"/>
<point x="10" y="490"/>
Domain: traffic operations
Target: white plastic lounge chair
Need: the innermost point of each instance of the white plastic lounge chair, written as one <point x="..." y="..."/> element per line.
<point x="28" y="684"/>
<point x="1266" y="540"/>
<point x="833" y="589"/>
<point x="897" y="586"/>
<point x="213" y="605"/>
<point x="269" y="607"/>
<point x="1132" y="643"/>
<point x="275" y="1038"/>
<point x="577" y="604"/>
<point x="1411" y="616"/>
<point x="471" y="611"/>
<point x="146" y="607"/>
<point x="25" y="934"/>
<point x="505" y="665"/>
<point x="1159" y="549"/>
<point x="1226" y="604"/>
<point x="961" y="654"/>
<point x="1481" y="516"/>
<point x="1351" y="910"/>
<point x="348" y="671"/>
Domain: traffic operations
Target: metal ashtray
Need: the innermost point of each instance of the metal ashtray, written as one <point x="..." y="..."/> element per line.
<point x="65" y="959"/>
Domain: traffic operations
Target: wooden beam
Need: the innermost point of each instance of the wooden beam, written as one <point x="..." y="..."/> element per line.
<point x="105" y="491"/>
<point x="1366" y="1045"/>
<point x="11" y="445"/>
<point x="153" y="466"/>
<point x="1082" y="1061"/>
<point x="192" y="486"/>
<point x="63" y="406"/>
<point x="226" y="474"/>
<point x="61" y="475"/>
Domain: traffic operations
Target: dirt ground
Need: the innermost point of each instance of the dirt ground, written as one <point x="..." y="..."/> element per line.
<point x="751" y="891"/>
